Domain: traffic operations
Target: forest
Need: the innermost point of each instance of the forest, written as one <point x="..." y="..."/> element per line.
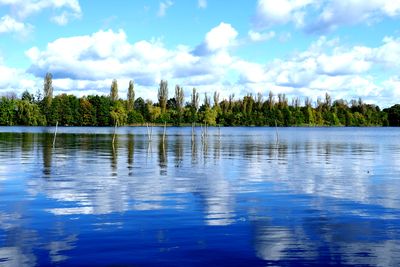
<point x="43" y="109"/>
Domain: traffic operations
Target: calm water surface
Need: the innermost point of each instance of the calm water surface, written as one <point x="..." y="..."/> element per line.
<point x="320" y="196"/>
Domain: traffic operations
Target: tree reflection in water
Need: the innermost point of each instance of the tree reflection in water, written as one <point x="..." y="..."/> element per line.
<point x="311" y="198"/>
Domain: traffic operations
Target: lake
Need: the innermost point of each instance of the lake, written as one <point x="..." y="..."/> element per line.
<point x="237" y="197"/>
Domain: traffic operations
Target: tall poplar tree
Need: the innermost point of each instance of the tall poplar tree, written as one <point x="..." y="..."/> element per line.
<point x="114" y="90"/>
<point x="131" y="95"/>
<point x="163" y="95"/>
<point x="179" y="97"/>
<point x="195" y="100"/>
<point x="48" y="89"/>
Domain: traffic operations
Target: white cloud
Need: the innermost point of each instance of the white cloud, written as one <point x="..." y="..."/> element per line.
<point x="250" y="72"/>
<point x="17" y="80"/>
<point x="64" y="10"/>
<point x="389" y="53"/>
<point x="10" y="25"/>
<point x="346" y="86"/>
<point x="270" y="12"/>
<point x="162" y="9"/>
<point x="274" y="12"/>
<point x="328" y="67"/>
<point x="95" y="59"/>
<point x="202" y="4"/>
<point x="391" y="90"/>
<point x="220" y="37"/>
<point x="25" y="8"/>
<point x="103" y="54"/>
<point x="332" y="13"/>
<point x="355" y="61"/>
<point x="260" y="37"/>
<point x="86" y="64"/>
<point x="337" y="12"/>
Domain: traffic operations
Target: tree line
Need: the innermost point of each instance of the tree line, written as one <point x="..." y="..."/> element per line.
<point x="252" y="110"/>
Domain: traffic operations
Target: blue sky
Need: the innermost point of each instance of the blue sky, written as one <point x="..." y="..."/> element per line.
<point x="303" y="48"/>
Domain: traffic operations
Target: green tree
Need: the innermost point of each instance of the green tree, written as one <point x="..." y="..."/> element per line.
<point x="216" y="100"/>
<point x="28" y="113"/>
<point x="64" y="110"/>
<point x="102" y="107"/>
<point x="108" y="110"/>
<point x="27" y="96"/>
<point x="207" y="101"/>
<point x="87" y="112"/>
<point x="195" y="99"/>
<point x="209" y="116"/>
<point x="118" y="113"/>
<point x="271" y="100"/>
<point x="309" y="117"/>
<point x="7" y="111"/>
<point x="135" y="117"/>
<point x="114" y="90"/>
<point x="130" y="96"/>
<point x="152" y="112"/>
<point x="140" y="106"/>
<point x="48" y="89"/>
<point x="163" y="95"/>
<point x="179" y="97"/>
<point x="193" y="107"/>
<point x="393" y="115"/>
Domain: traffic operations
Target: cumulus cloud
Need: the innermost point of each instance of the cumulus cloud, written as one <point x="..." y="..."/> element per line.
<point x="391" y="89"/>
<point x="162" y="9"/>
<point x="327" y="67"/>
<point x="355" y="61"/>
<point x="332" y="13"/>
<point x="64" y="10"/>
<point x="270" y="12"/>
<point x="218" y="39"/>
<point x="250" y="72"/>
<point x="10" y="25"/>
<point x="86" y="64"/>
<point x="104" y="54"/>
<point x="97" y="58"/>
<point x="17" y="80"/>
<point x="336" y="13"/>
<point x="389" y="53"/>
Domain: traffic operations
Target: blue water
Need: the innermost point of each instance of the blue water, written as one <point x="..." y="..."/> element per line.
<point x="237" y="197"/>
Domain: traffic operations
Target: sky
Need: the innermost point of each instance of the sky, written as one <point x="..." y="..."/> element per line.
<point x="301" y="48"/>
